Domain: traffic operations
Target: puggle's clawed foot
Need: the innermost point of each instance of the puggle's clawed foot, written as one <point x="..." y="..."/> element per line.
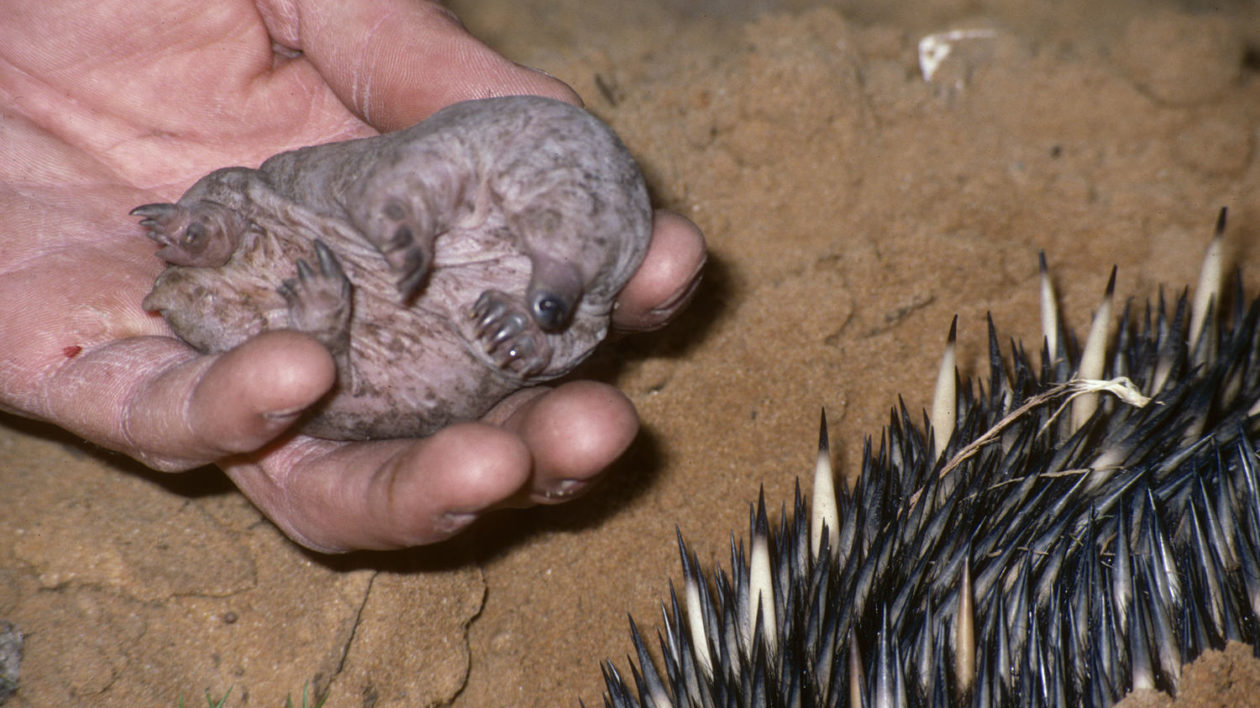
<point x="509" y="335"/>
<point x="204" y="235"/>
<point x="407" y="249"/>
<point x="320" y="300"/>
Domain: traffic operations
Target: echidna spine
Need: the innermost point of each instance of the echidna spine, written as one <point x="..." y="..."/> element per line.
<point x="1033" y="554"/>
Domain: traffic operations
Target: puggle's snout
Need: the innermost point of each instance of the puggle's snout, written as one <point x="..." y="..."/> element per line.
<point x="551" y="312"/>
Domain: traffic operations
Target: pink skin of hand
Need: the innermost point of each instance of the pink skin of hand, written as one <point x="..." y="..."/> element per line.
<point x="96" y="117"/>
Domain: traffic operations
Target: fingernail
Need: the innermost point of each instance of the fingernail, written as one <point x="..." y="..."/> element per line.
<point x="452" y="522"/>
<point x="564" y="489"/>
<point x="680" y="298"/>
<point x="283" y="416"/>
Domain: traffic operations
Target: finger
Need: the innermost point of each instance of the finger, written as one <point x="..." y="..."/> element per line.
<point x="157" y="401"/>
<point x="573" y="432"/>
<point x="668" y="277"/>
<point x="335" y="497"/>
<point x="394" y="62"/>
<point x="229" y="403"/>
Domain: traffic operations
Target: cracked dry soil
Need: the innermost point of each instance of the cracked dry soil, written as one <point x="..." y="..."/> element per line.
<point x="852" y="209"/>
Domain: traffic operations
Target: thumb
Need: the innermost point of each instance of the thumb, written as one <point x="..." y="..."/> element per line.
<point x="157" y="401"/>
<point x="394" y="62"/>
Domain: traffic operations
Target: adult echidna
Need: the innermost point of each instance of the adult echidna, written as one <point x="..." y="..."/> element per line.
<point x="1073" y="532"/>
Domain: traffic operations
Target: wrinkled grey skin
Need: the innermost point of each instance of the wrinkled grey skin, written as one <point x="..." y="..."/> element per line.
<point x="444" y="266"/>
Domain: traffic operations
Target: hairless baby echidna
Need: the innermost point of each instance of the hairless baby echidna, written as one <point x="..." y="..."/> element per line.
<point x="1041" y="543"/>
<point x="444" y="266"/>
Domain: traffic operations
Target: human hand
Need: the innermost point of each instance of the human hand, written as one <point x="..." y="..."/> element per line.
<point x="110" y="104"/>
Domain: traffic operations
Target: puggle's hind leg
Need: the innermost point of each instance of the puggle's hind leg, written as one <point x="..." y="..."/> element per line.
<point x="203" y="234"/>
<point x="320" y="304"/>
<point x="509" y="335"/>
<point x="203" y="228"/>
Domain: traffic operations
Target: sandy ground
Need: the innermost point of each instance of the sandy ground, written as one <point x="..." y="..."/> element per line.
<point x="852" y="208"/>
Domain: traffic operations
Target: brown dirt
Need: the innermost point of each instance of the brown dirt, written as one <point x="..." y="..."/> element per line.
<point x="852" y="208"/>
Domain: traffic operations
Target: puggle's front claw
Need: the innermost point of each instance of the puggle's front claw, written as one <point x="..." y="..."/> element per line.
<point x="508" y="335"/>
